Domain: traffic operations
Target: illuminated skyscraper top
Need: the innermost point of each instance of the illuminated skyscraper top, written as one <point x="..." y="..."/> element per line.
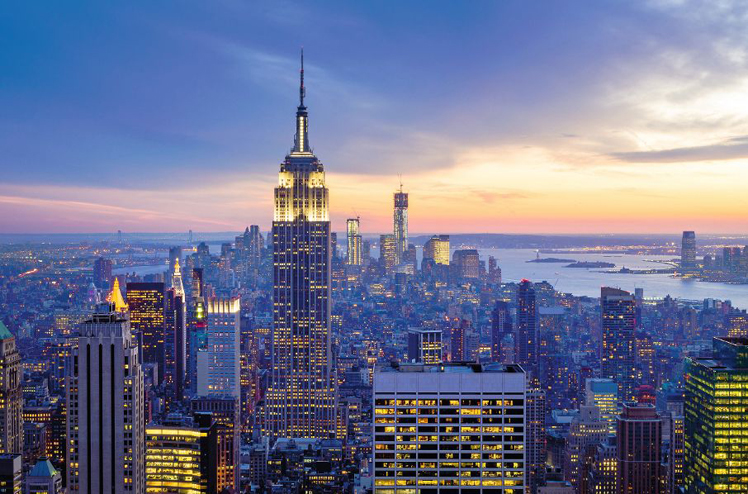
<point x="301" y="395"/>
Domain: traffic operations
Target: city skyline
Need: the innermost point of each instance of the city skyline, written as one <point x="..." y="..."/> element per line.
<point x="153" y="119"/>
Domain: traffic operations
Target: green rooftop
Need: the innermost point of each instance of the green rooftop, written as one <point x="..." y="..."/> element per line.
<point x="4" y="332"/>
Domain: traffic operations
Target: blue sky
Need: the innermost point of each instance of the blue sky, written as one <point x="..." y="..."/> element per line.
<point x="172" y="115"/>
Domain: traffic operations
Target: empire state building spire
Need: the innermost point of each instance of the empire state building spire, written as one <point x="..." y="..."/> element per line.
<point x="301" y="141"/>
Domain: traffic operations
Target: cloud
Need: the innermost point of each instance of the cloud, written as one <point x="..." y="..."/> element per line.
<point x="735" y="148"/>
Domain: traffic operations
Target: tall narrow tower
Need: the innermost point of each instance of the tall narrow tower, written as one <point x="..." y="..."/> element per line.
<point x="301" y="396"/>
<point x="401" y="223"/>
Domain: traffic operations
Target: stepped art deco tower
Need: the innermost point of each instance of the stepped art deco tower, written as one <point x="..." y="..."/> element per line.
<point x="301" y="397"/>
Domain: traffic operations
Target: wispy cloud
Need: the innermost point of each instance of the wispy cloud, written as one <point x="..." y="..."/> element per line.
<point x="735" y="148"/>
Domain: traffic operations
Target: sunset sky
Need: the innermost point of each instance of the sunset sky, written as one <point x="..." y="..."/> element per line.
<point x="501" y="116"/>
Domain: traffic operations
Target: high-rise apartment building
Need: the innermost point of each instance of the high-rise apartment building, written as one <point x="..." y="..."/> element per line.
<point x="146" y="301"/>
<point x="354" y="256"/>
<point x="437" y="249"/>
<point x="449" y="428"/>
<point x="501" y="326"/>
<point x="400" y="221"/>
<point x="105" y="421"/>
<point x="526" y="333"/>
<point x="11" y="394"/>
<point x="715" y="409"/>
<point x="424" y="345"/>
<point x="639" y="435"/>
<point x="300" y="401"/>
<point x="218" y="370"/>
<point x="617" y="356"/>
<point x="688" y="251"/>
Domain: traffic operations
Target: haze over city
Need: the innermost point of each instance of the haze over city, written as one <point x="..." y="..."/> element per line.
<point x="573" y="117"/>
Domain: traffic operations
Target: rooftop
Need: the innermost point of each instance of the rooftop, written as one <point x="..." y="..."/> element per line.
<point x="43" y="468"/>
<point x="4" y="332"/>
<point x="452" y="368"/>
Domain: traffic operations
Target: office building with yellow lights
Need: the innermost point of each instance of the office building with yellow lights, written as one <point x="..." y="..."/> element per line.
<point x="449" y="428"/>
<point x="437" y="249"/>
<point x="716" y="419"/>
<point x="424" y="346"/>
<point x="300" y="401"/>
<point x="173" y="460"/>
<point x="146" y="303"/>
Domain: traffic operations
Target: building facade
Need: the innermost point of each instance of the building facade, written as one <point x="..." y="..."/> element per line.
<point x="639" y="447"/>
<point x="218" y="369"/>
<point x="437" y="249"/>
<point x="715" y="408"/>
<point x="424" y="346"/>
<point x="11" y="394"/>
<point x="449" y="428"/>
<point x="146" y="302"/>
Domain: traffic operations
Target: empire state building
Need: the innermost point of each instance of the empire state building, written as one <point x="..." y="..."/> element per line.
<point x="301" y="397"/>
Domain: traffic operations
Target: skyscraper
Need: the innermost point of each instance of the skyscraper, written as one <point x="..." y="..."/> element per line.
<point x="501" y="326"/>
<point x="218" y="360"/>
<point x="388" y="252"/>
<point x="449" y="428"/>
<point x="102" y="273"/>
<point x="146" y="303"/>
<point x="353" y="229"/>
<point x="639" y="449"/>
<point x="301" y="396"/>
<point x="105" y="422"/>
<point x="688" y="251"/>
<point x="401" y="223"/>
<point x="175" y="335"/>
<point x="716" y="435"/>
<point x="467" y="262"/>
<point x="437" y="249"/>
<point x="526" y="338"/>
<point x="617" y="357"/>
<point x="11" y="394"/>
